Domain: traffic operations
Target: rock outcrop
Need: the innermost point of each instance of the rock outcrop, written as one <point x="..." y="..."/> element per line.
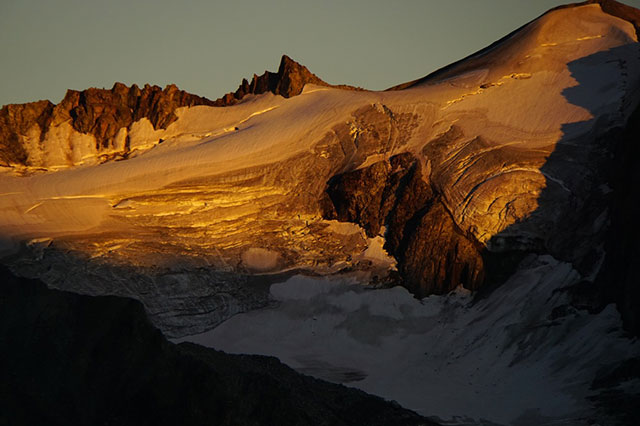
<point x="68" y="359"/>
<point x="106" y="116"/>
<point x="433" y="254"/>
<point x="101" y="113"/>
<point x="617" y="280"/>
<point x="464" y="173"/>
<point x="287" y="82"/>
<point x="16" y="121"/>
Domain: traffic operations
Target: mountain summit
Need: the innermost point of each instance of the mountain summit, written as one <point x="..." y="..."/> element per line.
<point x="619" y="10"/>
<point x="538" y="28"/>
<point x="287" y="82"/>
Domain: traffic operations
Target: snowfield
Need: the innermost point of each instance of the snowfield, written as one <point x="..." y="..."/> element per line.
<point x="520" y="356"/>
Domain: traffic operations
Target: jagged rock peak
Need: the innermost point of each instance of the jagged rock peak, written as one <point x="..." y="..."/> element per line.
<point x="287" y="82"/>
<point x="293" y="76"/>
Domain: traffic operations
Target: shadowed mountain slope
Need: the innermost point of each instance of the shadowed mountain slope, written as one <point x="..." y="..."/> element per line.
<point x="68" y="359"/>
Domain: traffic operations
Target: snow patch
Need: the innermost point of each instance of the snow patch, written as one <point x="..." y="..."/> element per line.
<point x="344" y="228"/>
<point x="260" y="259"/>
<point x="376" y="253"/>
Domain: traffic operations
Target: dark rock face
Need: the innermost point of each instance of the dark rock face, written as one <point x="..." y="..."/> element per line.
<point x="68" y="359"/>
<point x="614" y="404"/>
<point x="99" y="112"/>
<point x="433" y="255"/>
<point x="103" y="112"/>
<point x="618" y="277"/>
<point x="437" y="257"/>
<point x="293" y="77"/>
<point x="16" y="120"/>
<point x="357" y="196"/>
<point x="287" y="82"/>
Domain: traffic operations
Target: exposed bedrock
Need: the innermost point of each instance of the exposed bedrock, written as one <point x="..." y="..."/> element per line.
<point x="18" y="120"/>
<point x="99" y="122"/>
<point x="469" y="215"/>
<point x="433" y="254"/>
<point x="69" y="359"/>
<point x="618" y="279"/>
<point x="195" y="252"/>
<point x="101" y="113"/>
<point x="287" y="82"/>
<point x="104" y="112"/>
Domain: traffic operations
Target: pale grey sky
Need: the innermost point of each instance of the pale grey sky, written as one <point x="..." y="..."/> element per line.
<point x="207" y="47"/>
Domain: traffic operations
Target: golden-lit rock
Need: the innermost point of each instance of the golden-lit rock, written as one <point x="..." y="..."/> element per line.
<point x="507" y="152"/>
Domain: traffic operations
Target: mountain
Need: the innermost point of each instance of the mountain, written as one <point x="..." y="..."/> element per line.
<point x="97" y="125"/>
<point x="287" y="82"/>
<point x="507" y="177"/>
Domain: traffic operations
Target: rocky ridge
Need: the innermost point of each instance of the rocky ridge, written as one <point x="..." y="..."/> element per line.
<point x="105" y="114"/>
<point x="287" y="82"/>
<point x="77" y="360"/>
<point x="101" y="119"/>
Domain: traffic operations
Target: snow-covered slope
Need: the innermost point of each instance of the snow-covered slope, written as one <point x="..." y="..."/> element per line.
<point x="521" y="356"/>
<point x="449" y="181"/>
<point x="569" y="74"/>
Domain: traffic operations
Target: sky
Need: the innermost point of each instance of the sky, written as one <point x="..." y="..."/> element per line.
<point x="206" y="47"/>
